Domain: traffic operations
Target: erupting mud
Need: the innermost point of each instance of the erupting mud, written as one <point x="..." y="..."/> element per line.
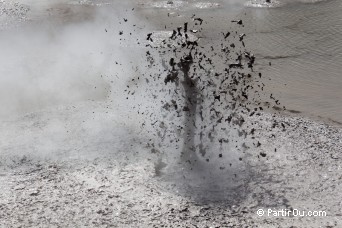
<point x="169" y="113"/>
<point x="212" y="88"/>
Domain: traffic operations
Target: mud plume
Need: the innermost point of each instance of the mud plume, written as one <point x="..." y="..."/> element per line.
<point x="208" y="91"/>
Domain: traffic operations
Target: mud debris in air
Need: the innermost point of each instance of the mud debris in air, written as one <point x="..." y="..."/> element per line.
<point x="207" y="91"/>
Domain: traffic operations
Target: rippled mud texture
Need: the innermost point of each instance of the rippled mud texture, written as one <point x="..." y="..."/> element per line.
<point x="179" y="5"/>
<point x="12" y="13"/>
<point x="300" y="173"/>
<point x="276" y="3"/>
<point x="264" y="3"/>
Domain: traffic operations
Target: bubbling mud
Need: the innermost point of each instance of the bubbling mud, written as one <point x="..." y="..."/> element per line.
<point x="263" y="3"/>
<point x="206" y="92"/>
<point x="276" y="3"/>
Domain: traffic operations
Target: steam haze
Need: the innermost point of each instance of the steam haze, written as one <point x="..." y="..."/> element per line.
<point x="48" y="63"/>
<point x="63" y="78"/>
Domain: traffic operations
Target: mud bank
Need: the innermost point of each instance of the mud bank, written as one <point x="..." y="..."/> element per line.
<point x="300" y="169"/>
<point x="91" y="149"/>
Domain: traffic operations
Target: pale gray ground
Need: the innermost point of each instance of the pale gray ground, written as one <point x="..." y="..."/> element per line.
<point x="81" y="159"/>
<point x="303" y="173"/>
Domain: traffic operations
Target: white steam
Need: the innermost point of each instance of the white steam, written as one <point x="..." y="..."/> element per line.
<point x="46" y="63"/>
<point x="62" y="82"/>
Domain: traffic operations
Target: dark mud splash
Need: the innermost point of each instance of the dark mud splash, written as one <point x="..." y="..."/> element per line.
<point x="204" y="95"/>
<point x="214" y="89"/>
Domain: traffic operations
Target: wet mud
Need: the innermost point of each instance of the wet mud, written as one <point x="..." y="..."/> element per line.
<point x="209" y="88"/>
<point x="189" y="135"/>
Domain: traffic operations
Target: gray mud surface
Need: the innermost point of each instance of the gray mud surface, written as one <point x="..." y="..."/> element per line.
<point x="299" y="170"/>
<point x="86" y="131"/>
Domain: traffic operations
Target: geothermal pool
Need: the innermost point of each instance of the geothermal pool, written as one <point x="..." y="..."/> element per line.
<point x="92" y="133"/>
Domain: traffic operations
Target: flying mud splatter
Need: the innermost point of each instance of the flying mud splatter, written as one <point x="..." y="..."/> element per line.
<point x="205" y="92"/>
